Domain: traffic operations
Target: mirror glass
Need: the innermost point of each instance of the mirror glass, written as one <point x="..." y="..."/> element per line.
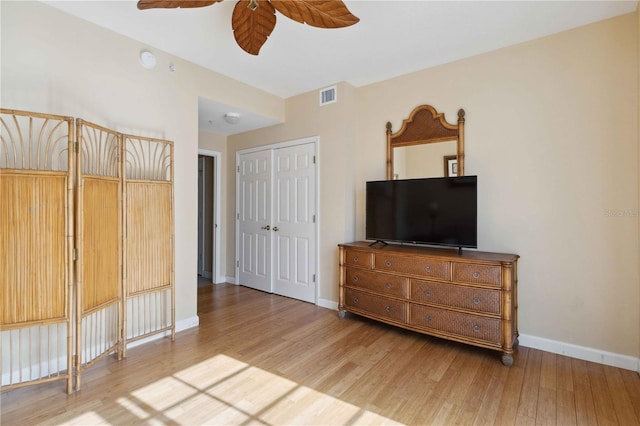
<point x="426" y="160"/>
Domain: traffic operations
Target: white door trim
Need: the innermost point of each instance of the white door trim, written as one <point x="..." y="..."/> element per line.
<point x="218" y="278"/>
<point x="316" y="144"/>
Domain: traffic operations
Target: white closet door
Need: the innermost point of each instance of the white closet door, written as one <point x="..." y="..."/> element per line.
<point x="293" y="225"/>
<point x="255" y="220"/>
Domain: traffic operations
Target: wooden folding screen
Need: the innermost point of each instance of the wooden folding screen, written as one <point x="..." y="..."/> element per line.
<point x="99" y="245"/>
<point x="120" y="211"/>
<point x="148" y="249"/>
<point x="36" y="247"/>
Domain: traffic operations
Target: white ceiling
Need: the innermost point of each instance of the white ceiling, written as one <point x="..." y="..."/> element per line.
<point x="393" y="37"/>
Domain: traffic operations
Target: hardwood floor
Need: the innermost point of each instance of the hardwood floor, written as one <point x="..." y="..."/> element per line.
<point x="264" y="359"/>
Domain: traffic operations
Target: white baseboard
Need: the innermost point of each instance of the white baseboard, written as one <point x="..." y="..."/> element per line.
<point x="581" y="352"/>
<point x="329" y="304"/>
<point x="230" y="280"/>
<point x="187" y="323"/>
<point x="180" y="326"/>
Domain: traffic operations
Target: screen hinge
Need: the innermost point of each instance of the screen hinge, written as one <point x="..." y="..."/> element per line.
<point x="314" y="278"/>
<point x="314" y="218"/>
<point x="75" y="146"/>
<point x="238" y="216"/>
<point x="314" y="159"/>
<point x="238" y="169"/>
<point x="237" y="263"/>
<point x="75" y="254"/>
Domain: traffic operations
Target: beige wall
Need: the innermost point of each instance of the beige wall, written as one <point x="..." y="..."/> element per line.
<point x="55" y="63"/>
<point x="552" y="133"/>
<point x="212" y="142"/>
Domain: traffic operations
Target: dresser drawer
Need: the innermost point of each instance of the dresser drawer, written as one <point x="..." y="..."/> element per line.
<point x="378" y="305"/>
<point x="473" y="299"/>
<point x="467" y="325"/>
<point x="477" y="274"/>
<point x="380" y="283"/>
<point x="425" y="267"/>
<point x="357" y="258"/>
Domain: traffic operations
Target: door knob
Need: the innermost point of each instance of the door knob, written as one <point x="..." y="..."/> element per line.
<point x="275" y="228"/>
<point x="266" y="227"/>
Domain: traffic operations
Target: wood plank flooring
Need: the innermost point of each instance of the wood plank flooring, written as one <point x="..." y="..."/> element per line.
<point x="264" y="359"/>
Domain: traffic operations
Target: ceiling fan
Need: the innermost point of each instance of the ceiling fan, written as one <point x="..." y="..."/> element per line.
<point x="254" y="20"/>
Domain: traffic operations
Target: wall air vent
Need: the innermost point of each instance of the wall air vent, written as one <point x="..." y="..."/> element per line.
<point x="328" y="95"/>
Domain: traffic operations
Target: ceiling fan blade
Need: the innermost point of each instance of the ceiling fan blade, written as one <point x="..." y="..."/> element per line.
<point x="171" y="4"/>
<point x="317" y="13"/>
<point x="252" y="27"/>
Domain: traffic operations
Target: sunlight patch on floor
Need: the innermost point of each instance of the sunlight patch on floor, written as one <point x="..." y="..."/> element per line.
<point x="87" y="418"/>
<point x="223" y="390"/>
<point x="132" y="407"/>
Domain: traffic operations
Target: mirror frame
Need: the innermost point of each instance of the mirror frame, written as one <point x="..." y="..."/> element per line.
<point x="425" y="125"/>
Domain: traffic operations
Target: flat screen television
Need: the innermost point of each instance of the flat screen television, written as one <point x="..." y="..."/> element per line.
<point x="436" y="211"/>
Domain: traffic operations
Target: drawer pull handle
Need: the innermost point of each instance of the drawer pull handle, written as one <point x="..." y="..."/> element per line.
<point x="427" y="318"/>
<point x="355" y="258"/>
<point x="355" y="300"/>
<point x="476" y="275"/>
<point x="476" y="300"/>
<point x="388" y="264"/>
<point x="427" y="292"/>
<point x="476" y="328"/>
<point x="356" y="278"/>
<point x="428" y="269"/>
<point x="388" y="285"/>
<point x="388" y="309"/>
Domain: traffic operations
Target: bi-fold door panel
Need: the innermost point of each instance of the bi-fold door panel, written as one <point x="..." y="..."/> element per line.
<point x="99" y="245"/>
<point x="254" y="202"/>
<point x="36" y="217"/>
<point x="294" y="218"/>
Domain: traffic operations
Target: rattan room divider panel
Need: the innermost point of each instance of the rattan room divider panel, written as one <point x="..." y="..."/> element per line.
<point x="36" y="224"/>
<point x="148" y="249"/>
<point x="99" y="244"/>
<point x="70" y="272"/>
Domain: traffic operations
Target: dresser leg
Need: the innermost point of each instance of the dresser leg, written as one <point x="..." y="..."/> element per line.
<point x="341" y="313"/>
<point x="507" y="360"/>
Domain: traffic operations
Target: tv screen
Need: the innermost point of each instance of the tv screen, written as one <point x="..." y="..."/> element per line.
<point x="438" y="211"/>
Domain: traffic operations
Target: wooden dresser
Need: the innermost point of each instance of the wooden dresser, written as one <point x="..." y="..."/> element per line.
<point x="469" y="297"/>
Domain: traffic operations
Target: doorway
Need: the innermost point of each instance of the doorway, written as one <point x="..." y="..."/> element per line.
<point x="276" y="216"/>
<point x="209" y="217"/>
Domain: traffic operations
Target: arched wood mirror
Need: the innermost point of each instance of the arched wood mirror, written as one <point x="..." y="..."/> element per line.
<point x="426" y="146"/>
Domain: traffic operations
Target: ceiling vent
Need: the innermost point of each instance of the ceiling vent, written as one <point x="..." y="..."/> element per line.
<point x="328" y="95"/>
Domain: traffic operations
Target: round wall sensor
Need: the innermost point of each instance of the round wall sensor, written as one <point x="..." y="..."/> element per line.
<point x="147" y="59"/>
